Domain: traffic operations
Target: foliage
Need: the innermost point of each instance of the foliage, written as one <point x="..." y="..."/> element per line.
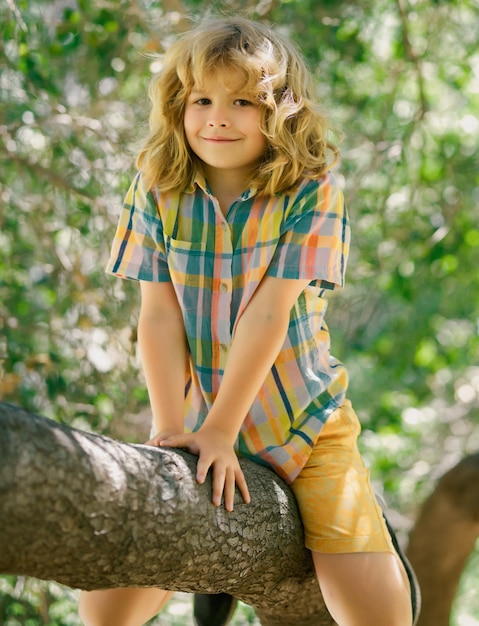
<point x="401" y="78"/>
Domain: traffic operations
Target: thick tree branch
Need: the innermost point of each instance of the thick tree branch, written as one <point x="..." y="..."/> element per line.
<point x="90" y="512"/>
<point x="443" y="537"/>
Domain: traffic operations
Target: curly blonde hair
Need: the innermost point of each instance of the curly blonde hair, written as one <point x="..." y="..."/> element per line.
<point x="274" y="73"/>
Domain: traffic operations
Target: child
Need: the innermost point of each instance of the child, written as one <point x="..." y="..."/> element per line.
<point x="236" y="230"/>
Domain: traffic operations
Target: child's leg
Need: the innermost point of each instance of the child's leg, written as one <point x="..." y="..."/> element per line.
<point x="121" y="607"/>
<point x="360" y="572"/>
<point x="365" y="589"/>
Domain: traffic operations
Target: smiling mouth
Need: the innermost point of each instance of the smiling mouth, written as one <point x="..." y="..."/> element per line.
<point x="219" y="139"/>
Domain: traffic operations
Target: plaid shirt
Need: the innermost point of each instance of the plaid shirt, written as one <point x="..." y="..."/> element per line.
<point x="215" y="264"/>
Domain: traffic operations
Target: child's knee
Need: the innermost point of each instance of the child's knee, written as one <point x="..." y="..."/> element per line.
<point x="121" y="607"/>
<point x="364" y="588"/>
<point x="97" y="608"/>
<point x="88" y="610"/>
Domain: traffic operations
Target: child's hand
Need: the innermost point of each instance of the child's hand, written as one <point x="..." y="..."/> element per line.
<point x="214" y="451"/>
<point x="161" y="436"/>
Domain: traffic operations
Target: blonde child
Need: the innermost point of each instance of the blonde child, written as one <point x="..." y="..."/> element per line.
<point x="236" y="230"/>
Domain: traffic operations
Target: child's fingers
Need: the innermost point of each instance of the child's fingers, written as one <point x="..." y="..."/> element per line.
<point x="242" y="486"/>
<point x="225" y="483"/>
<point x="202" y="468"/>
<point x="175" y="441"/>
<point x="227" y="473"/>
<point x="154" y="441"/>
<point x="218" y="485"/>
<point x="179" y="441"/>
<point x="229" y="489"/>
<point x="157" y="439"/>
<point x="231" y="483"/>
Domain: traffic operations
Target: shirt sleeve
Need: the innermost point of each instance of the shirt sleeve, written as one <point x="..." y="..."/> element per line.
<point x="138" y="249"/>
<point x="314" y="240"/>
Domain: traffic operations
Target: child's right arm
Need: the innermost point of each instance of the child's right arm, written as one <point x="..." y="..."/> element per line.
<point x="163" y="349"/>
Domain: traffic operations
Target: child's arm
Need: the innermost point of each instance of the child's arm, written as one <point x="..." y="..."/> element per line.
<point x="259" y="336"/>
<point x="162" y="341"/>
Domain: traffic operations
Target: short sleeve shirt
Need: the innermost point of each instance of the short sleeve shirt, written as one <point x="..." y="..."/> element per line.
<point x="215" y="264"/>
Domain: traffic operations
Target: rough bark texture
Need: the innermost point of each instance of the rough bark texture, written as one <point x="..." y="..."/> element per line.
<point x="443" y="537"/>
<point x="90" y="512"/>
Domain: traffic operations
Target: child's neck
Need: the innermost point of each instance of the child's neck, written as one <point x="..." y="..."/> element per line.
<point x="226" y="186"/>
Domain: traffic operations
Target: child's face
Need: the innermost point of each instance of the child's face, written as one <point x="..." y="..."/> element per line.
<point x="222" y="125"/>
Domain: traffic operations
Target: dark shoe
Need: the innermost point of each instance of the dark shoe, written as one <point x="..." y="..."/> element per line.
<point x="213" y="609"/>
<point x="413" y="583"/>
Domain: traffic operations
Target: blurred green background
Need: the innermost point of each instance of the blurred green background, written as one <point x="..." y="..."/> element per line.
<point x="399" y="77"/>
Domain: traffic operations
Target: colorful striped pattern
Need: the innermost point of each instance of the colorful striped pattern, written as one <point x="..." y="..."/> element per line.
<point x="215" y="264"/>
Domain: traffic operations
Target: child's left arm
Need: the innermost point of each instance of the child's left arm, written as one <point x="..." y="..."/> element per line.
<point x="259" y="336"/>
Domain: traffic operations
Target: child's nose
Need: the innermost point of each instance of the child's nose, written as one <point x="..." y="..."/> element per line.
<point x="218" y="123"/>
<point x="218" y="119"/>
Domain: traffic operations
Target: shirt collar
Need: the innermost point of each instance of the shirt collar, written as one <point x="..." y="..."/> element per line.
<point x="200" y="181"/>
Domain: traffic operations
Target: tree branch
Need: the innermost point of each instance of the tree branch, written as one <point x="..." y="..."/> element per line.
<point x="443" y="537"/>
<point x="90" y="512"/>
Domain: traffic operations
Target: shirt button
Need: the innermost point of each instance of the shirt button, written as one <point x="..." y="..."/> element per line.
<point x="225" y="227"/>
<point x="224" y="347"/>
<point x="224" y="287"/>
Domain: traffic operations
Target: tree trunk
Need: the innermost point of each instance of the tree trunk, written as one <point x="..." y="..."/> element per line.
<point x="90" y="512"/>
<point x="443" y="537"/>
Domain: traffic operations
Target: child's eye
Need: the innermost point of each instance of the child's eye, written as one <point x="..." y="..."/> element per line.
<point x="203" y="101"/>
<point x="244" y="103"/>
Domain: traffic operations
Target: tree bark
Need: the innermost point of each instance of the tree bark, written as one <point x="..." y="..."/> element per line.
<point x="443" y="537"/>
<point x="90" y="512"/>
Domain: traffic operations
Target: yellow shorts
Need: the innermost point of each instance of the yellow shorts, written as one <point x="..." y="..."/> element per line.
<point x="338" y="507"/>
